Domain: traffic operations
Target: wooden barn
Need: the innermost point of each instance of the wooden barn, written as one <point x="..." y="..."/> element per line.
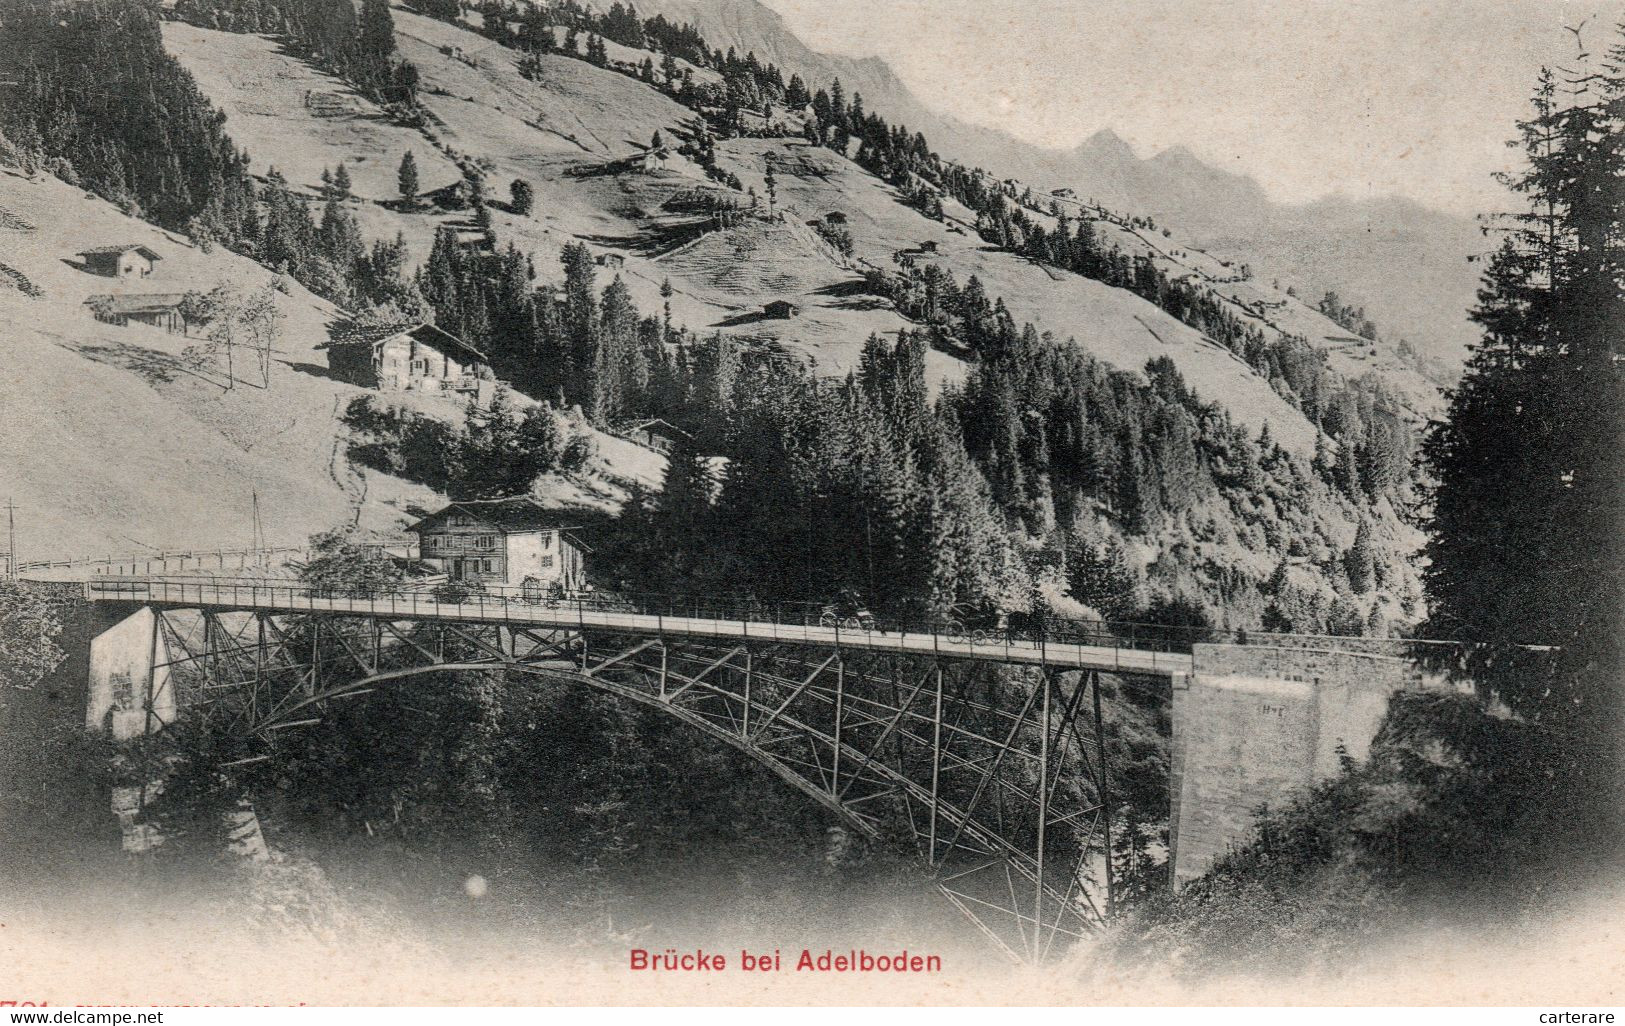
<point x="161" y="310"/>
<point x="781" y="309"/>
<point x="124" y="261"/>
<point x="657" y="435"/>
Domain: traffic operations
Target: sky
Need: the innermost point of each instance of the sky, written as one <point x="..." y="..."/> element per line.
<point x="1361" y="98"/>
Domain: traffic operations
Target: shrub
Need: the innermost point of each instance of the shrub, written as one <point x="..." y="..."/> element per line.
<point x="524" y="197"/>
<point x="342" y="566"/>
<point x="456" y="592"/>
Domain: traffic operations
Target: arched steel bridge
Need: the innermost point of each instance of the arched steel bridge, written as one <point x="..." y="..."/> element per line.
<point x="997" y="779"/>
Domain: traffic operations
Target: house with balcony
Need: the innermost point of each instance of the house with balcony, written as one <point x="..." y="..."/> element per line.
<point x="507" y="542"/>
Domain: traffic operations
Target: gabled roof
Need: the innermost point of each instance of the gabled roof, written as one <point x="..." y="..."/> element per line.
<point x="120" y="250"/>
<point x="150" y="302"/>
<point x="510" y="516"/>
<point x="371" y="334"/>
<point x="660" y="426"/>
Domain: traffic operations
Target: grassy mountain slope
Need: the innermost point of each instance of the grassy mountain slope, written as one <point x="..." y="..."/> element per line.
<point x="557" y="131"/>
<point x="112" y="443"/>
<point x="1405" y="263"/>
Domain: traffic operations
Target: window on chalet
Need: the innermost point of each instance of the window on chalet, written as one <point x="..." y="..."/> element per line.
<point x="485" y="541"/>
<point x="487" y="566"/>
<point x="545" y="538"/>
<point x="420" y="367"/>
<point x="547" y="562"/>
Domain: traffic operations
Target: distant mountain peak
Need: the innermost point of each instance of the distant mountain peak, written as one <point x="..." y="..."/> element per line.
<point x="1106" y="142"/>
<point x="1177" y="156"/>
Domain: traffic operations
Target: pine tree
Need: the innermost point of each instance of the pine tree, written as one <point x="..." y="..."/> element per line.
<point x="1525" y="542"/>
<point x="623" y="373"/>
<point x="341" y="182"/>
<point x="407" y="177"/>
<point x="377" y="37"/>
<point x="524" y="197"/>
<point x="1359" y="561"/>
<point x="580" y="323"/>
<point x="666" y="292"/>
<point x="795" y="94"/>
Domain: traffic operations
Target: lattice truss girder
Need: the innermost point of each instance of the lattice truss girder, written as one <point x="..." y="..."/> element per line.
<point x="996" y="783"/>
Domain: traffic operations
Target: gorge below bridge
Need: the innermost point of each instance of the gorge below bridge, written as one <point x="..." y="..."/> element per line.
<point x="998" y="781"/>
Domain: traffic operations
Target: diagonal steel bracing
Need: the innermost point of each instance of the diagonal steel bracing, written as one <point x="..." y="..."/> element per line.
<point x="999" y="782"/>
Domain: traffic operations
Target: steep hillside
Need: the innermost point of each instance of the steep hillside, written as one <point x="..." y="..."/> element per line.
<point x="1406" y="264"/>
<point x="559" y="130"/>
<point x="557" y="133"/>
<point x="695" y="219"/>
<point x="1117" y="326"/>
<point x="114" y="442"/>
<point x="256" y="82"/>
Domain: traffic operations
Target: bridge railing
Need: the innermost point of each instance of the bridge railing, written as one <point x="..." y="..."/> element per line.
<point x="1082" y="643"/>
<point x="1129" y="645"/>
<point x="152" y="564"/>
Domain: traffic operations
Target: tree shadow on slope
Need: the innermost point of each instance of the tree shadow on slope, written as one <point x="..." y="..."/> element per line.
<point x="653" y="239"/>
<point x="153" y="366"/>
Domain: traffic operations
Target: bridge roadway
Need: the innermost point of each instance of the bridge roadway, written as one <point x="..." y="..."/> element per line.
<point x="1094" y="652"/>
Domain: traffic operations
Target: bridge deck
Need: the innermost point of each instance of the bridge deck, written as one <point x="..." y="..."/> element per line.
<point x="1093" y="653"/>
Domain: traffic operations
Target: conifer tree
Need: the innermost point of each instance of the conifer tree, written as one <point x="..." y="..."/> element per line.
<point x="580" y="322"/>
<point x="377" y="36"/>
<point x="407" y="177"/>
<point x="524" y="197"/>
<point x="1359" y="561"/>
<point x="1526" y="539"/>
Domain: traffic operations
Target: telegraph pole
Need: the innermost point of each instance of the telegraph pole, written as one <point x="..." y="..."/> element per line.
<point x="11" y="539"/>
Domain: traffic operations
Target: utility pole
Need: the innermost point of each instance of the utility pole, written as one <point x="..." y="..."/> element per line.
<point x="11" y="539"/>
<point x="258" y="541"/>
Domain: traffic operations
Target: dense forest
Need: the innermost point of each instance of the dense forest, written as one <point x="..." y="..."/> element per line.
<point x="99" y="103"/>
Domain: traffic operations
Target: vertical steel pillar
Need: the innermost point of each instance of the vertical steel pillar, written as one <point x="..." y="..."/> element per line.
<point x="1043" y="807"/>
<point x="662" y="668"/>
<point x="315" y="653"/>
<point x="152" y="667"/>
<point x="840" y="709"/>
<point x="1105" y="794"/>
<point x="259" y="669"/>
<point x="744" y="728"/>
<point x="936" y="768"/>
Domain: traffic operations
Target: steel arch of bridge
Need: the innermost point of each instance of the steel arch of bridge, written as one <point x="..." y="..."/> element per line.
<point x="1001" y="800"/>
